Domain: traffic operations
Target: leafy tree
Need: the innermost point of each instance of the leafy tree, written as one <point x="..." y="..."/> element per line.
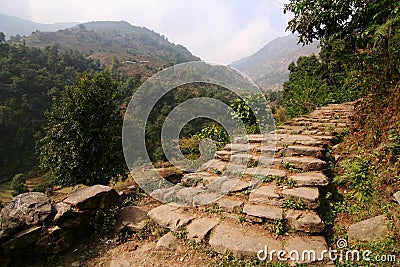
<point x="83" y="138"/>
<point x="360" y="44"/>
<point x="341" y="19"/>
<point x="18" y="184"/>
<point x="248" y="109"/>
<point x="2" y="37"/>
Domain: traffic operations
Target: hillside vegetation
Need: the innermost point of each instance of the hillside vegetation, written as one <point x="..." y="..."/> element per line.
<point x="36" y="69"/>
<point x="359" y="59"/>
<point x="30" y="78"/>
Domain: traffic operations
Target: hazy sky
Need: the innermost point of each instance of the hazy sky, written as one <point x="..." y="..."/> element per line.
<point x="218" y="31"/>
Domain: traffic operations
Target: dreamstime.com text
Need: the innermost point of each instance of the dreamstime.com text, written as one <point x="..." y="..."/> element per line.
<point x="328" y="254"/>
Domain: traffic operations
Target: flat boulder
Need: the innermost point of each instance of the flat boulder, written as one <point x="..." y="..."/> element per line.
<point x="373" y="229"/>
<point x="93" y="197"/>
<point x="308" y="195"/>
<point x="131" y="217"/>
<point x="306" y="163"/>
<point x="229" y="205"/>
<point x="168" y="241"/>
<point x="266" y="194"/>
<point x="310" y="179"/>
<point x="308" y="249"/>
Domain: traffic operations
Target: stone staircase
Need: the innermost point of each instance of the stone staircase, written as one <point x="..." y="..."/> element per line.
<point x="267" y="189"/>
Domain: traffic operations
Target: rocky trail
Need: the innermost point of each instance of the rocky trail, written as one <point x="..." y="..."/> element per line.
<point x="273" y="205"/>
<point x="260" y="193"/>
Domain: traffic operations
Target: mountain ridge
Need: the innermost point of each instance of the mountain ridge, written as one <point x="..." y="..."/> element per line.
<point x="11" y="26"/>
<point x="268" y="67"/>
<point x="117" y="44"/>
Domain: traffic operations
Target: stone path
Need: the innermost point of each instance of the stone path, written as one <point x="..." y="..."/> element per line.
<point x="259" y="195"/>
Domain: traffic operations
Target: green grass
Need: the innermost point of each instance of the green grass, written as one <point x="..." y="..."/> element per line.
<point x="5" y="192"/>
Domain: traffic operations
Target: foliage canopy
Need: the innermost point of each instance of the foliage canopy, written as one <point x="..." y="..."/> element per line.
<point x="83" y="138"/>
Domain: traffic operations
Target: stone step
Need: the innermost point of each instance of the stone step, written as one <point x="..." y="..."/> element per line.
<point x="298" y="139"/>
<point x="298" y="150"/>
<point x="280" y="140"/>
<point x="241" y="241"/>
<point x="245" y="241"/>
<point x="199" y="228"/>
<point x="170" y="216"/>
<point x="259" y="173"/>
<point x="240" y="147"/>
<point x="252" y="160"/>
<point x="308" y="195"/>
<point x="263" y="211"/>
<point x="230" y="205"/>
<point x="223" y="155"/>
<point x="196" y="178"/>
<point x="216" y="166"/>
<point x="305" y="163"/>
<point x="304" y="220"/>
<point x="309" y="179"/>
<point x="271" y="194"/>
<point x="310" y="132"/>
<point x="326" y="138"/>
<point x="266" y="194"/>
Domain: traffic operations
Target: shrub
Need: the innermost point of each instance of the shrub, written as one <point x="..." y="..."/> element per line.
<point x="18" y="184"/>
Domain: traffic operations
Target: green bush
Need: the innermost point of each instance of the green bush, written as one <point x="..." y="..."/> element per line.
<point x="251" y="110"/>
<point x="216" y="133"/>
<point x="18" y="184"/>
<point x="358" y="175"/>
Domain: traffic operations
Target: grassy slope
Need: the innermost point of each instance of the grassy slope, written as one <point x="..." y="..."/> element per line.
<point x="368" y="173"/>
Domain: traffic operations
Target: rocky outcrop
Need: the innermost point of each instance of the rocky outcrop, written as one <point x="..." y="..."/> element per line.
<point x="32" y="225"/>
<point x="23" y="211"/>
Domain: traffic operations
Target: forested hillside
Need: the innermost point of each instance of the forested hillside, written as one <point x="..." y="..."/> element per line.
<point x="30" y="78"/>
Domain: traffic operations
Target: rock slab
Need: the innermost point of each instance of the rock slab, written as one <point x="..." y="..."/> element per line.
<point x="241" y="242"/>
<point x="93" y="197"/>
<point x="373" y="229"/>
<point x="199" y="228"/>
<point x="170" y="216"/>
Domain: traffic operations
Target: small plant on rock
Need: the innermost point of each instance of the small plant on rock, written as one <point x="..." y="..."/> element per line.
<point x="279" y="227"/>
<point x="291" y="203"/>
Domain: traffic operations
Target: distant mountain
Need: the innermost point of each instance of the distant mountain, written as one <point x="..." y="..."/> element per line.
<point x="118" y="44"/>
<point x="268" y="67"/>
<point x="12" y="26"/>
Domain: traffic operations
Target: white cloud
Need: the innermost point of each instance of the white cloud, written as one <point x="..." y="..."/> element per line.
<point x="218" y="31"/>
